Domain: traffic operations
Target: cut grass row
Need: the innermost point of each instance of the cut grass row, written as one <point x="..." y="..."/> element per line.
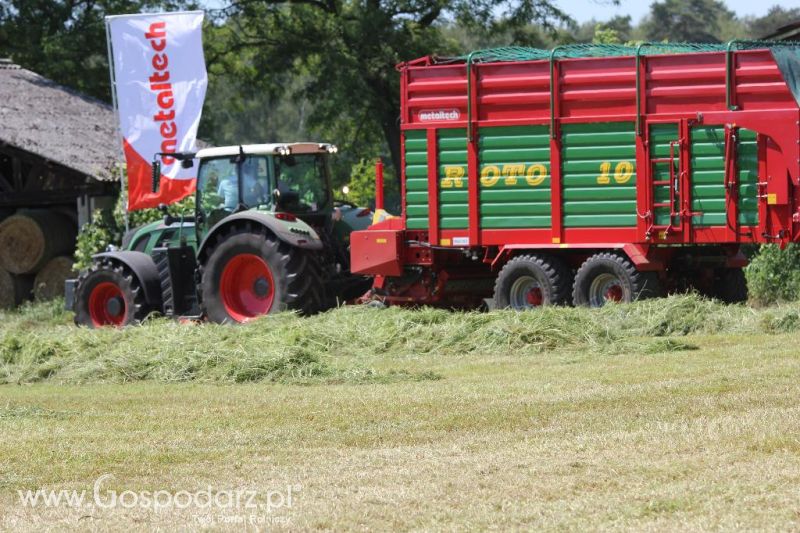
<point x="39" y="343"/>
<point x="571" y="439"/>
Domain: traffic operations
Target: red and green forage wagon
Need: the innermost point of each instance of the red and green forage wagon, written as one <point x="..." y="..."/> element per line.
<point x="589" y="173"/>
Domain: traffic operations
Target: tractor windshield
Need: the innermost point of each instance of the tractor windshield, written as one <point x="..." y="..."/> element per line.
<point x="302" y="182"/>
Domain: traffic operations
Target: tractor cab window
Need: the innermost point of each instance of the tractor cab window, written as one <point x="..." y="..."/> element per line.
<point x="255" y="181"/>
<point x="218" y="186"/>
<point x="302" y="182"/>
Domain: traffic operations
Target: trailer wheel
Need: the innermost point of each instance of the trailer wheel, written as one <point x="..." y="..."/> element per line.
<point x="730" y="286"/>
<point x="109" y="295"/>
<point x="609" y="277"/>
<point x="250" y="273"/>
<point x="531" y="281"/>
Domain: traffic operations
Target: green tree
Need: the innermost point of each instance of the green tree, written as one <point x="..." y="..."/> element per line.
<point x="620" y="25"/>
<point x="347" y="50"/>
<point x="65" y="40"/>
<point x="604" y="35"/>
<point x="686" y="20"/>
<point x="777" y="16"/>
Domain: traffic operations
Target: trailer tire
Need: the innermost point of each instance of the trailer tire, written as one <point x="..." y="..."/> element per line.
<point x="530" y="281"/>
<point x="607" y="277"/>
<point x="250" y="272"/>
<point x="730" y="286"/>
<point x="109" y="294"/>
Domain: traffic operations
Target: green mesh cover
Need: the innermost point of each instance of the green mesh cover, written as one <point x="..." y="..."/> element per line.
<point x="788" y="60"/>
<point x="521" y="53"/>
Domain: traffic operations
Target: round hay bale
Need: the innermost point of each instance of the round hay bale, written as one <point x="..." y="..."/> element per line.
<point x="49" y="281"/>
<point x="14" y="289"/>
<point x="29" y="239"/>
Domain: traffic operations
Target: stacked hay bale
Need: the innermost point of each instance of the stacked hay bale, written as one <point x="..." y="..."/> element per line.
<point x="36" y="249"/>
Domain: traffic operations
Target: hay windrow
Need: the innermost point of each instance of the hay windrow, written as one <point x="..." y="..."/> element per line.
<point x="39" y="342"/>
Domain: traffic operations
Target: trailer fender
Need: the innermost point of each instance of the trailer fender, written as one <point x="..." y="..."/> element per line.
<point x="295" y="233"/>
<point x="143" y="267"/>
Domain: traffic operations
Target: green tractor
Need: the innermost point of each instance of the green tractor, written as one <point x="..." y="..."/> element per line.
<point x="266" y="236"/>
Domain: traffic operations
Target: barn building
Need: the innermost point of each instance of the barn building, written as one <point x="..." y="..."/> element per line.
<point x="59" y="161"/>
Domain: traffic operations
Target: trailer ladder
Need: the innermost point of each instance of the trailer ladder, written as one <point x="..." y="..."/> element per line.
<point x="673" y="182"/>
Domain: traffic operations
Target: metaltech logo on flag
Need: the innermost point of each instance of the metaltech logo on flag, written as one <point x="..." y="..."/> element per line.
<point x="160" y="81"/>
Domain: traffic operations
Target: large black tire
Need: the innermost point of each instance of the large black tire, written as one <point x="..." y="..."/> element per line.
<point x="109" y="294"/>
<point x="530" y="281"/>
<point x="607" y="277"/>
<point x="730" y="286"/>
<point x="250" y="272"/>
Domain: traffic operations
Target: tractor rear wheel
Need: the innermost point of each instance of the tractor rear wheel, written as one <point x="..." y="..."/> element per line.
<point x="609" y="277"/>
<point x="531" y="281"/>
<point x="109" y="295"/>
<point x="250" y="273"/>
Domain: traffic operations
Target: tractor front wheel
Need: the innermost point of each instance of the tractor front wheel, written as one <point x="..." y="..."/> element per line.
<point x="250" y="273"/>
<point x="109" y="295"/>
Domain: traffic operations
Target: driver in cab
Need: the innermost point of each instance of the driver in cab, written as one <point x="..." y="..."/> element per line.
<point x="254" y="193"/>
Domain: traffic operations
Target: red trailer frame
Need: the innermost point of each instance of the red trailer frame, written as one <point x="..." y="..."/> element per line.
<point x="735" y="88"/>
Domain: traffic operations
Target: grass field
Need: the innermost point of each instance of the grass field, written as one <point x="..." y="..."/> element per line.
<point x="669" y="414"/>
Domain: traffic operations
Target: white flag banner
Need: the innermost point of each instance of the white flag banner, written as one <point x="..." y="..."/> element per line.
<point x="160" y="81"/>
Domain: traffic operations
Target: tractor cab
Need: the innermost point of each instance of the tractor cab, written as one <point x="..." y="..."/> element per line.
<point x="279" y="178"/>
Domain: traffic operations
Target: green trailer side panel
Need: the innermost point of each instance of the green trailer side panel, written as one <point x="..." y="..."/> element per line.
<point x="514" y="177"/>
<point x="453" y="197"/>
<point x="416" y="160"/>
<point x="708" y="176"/>
<point x="599" y="174"/>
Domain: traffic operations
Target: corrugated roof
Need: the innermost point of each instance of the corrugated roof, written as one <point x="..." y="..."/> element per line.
<point x="786" y="32"/>
<point x="56" y="123"/>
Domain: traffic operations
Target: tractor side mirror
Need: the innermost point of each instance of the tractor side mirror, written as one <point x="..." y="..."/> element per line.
<point x="187" y="163"/>
<point x="168" y="219"/>
<point x="156" y="177"/>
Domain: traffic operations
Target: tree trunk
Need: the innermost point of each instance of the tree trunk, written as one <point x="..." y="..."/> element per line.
<point x="391" y="131"/>
<point x="385" y="102"/>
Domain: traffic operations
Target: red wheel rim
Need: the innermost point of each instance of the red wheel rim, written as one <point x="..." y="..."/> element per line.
<point x="534" y="297"/>
<point x="614" y="293"/>
<point x="247" y="287"/>
<point x="107" y="305"/>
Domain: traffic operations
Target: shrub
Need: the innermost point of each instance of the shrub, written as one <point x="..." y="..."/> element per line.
<point x="774" y="274"/>
<point x="362" y="186"/>
<point x="107" y="227"/>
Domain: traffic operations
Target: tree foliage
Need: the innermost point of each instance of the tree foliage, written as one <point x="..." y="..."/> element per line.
<point x="686" y="20"/>
<point x="65" y="40"/>
<point x="777" y="16"/>
<point x="344" y="51"/>
<point x="323" y="69"/>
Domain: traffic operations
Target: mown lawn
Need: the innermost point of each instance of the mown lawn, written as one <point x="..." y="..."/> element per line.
<point x="680" y="414"/>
